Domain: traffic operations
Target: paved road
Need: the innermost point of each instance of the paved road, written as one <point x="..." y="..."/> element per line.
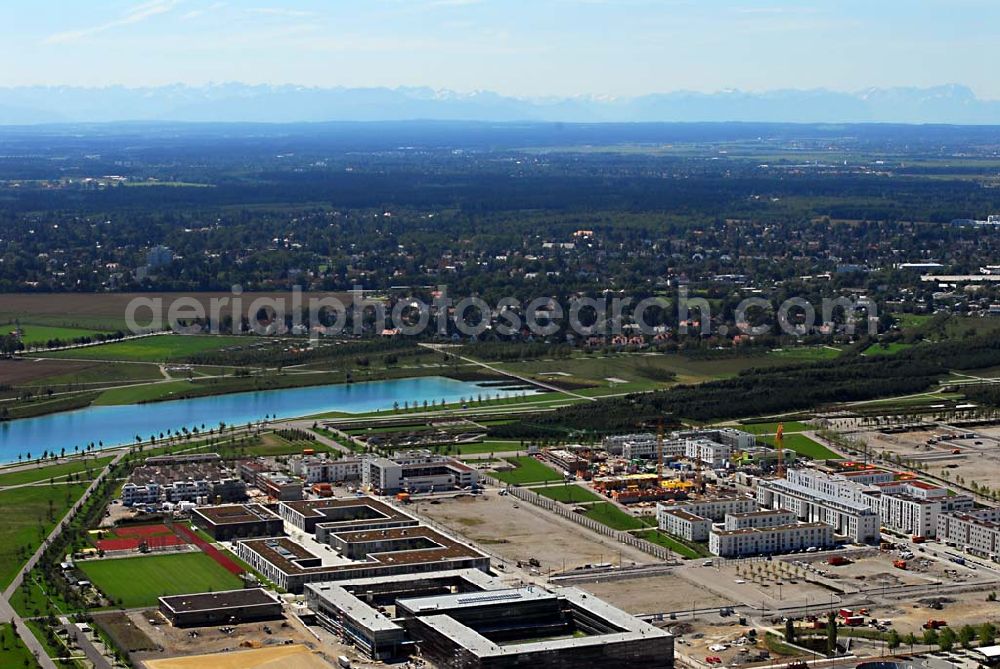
<point x="88" y="647"/>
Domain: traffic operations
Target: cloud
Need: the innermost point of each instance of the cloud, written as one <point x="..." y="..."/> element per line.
<point x="280" y="11"/>
<point x="195" y="13"/>
<point x="139" y="14"/>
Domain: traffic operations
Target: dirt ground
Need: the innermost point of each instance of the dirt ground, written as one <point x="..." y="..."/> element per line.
<point x="654" y="594"/>
<point x="978" y="462"/>
<point x="23" y="372"/>
<point x="175" y="641"/>
<point x="282" y="657"/>
<point x="517" y="530"/>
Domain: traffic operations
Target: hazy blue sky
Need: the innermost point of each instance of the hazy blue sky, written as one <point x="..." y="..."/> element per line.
<point x="516" y="47"/>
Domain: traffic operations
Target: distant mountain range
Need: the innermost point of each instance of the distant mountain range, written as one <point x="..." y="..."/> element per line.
<point x="952" y="104"/>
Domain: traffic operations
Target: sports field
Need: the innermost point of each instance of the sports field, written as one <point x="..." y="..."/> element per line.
<point x="139" y="581"/>
<point x="160" y="348"/>
<point x="529" y="470"/>
<point x="771" y="428"/>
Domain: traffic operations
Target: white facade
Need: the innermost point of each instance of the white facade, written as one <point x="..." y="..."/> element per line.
<point x="648" y="450"/>
<point x="770" y="540"/>
<point x="977" y="532"/>
<point x="685" y="525"/>
<point x="712" y="453"/>
<point x="854" y="520"/>
<point x="713" y="509"/>
<point x="766" y="518"/>
<point x="416" y="471"/>
<point x="324" y="470"/>
<point x="908" y="506"/>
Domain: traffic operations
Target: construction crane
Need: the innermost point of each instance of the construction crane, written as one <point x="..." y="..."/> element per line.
<point x="779" y="443"/>
<point x="659" y="455"/>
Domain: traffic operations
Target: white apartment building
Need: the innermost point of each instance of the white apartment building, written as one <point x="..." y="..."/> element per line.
<point x="976" y="532"/>
<point x="685" y="525"/>
<point x="325" y="470"/>
<point x="648" y="450"/>
<point x="727" y="436"/>
<point x="908" y="506"/>
<point x="415" y="471"/>
<point x="758" y="519"/>
<point x="712" y="453"/>
<point x="855" y="520"/>
<point x="769" y="540"/>
<point x="715" y="510"/>
<point x="616" y="443"/>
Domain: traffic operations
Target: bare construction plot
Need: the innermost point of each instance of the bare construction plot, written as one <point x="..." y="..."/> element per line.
<point x="516" y="530"/>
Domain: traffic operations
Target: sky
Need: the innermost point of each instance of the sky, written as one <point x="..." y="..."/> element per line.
<point x="529" y="48"/>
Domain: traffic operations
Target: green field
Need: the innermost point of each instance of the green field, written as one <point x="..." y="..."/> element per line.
<point x="639" y="371"/>
<point x="13" y="652"/>
<point x="529" y="470"/>
<point x="805" y="353"/>
<point x="161" y="348"/>
<point x="891" y="348"/>
<point x="568" y="494"/>
<point x="35" y="335"/>
<point x="47" y="471"/>
<point x="29" y="515"/>
<point x="139" y="581"/>
<point x="771" y="428"/>
<point x="665" y="540"/>
<point x="147" y="392"/>
<point x="805" y="446"/>
<point x="608" y="514"/>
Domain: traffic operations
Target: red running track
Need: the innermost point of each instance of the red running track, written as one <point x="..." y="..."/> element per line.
<point x="208" y="549"/>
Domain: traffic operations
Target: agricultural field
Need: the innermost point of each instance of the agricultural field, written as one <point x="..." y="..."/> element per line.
<point x="139" y="581"/>
<point x="42" y="373"/>
<point x="39" y="335"/>
<point x="13" y="652"/>
<point x="805" y="446"/>
<point x="528" y="470"/>
<point x="597" y="374"/>
<point x="568" y="494"/>
<point x="29" y="515"/>
<point x="161" y="348"/>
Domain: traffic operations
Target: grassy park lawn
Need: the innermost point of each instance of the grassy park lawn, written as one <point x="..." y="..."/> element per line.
<point x="528" y="470"/>
<point x="771" y="428"/>
<point x="29" y="515"/>
<point x="805" y="353"/>
<point x="139" y="581"/>
<point x="47" y="471"/>
<point x="805" y="446"/>
<point x="608" y="514"/>
<point x="665" y="540"/>
<point x="154" y="349"/>
<point x="13" y="652"/>
<point x="891" y="348"/>
<point x="568" y="493"/>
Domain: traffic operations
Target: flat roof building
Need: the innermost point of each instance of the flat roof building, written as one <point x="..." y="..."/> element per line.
<point x="770" y="540"/>
<point x="416" y="472"/>
<point x="217" y="608"/>
<point x="237" y="521"/>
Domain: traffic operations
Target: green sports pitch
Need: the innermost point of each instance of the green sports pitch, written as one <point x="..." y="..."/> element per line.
<point x="139" y="581"/>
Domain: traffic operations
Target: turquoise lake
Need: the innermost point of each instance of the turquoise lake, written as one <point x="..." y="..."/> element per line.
<point x="115" y="425"/>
